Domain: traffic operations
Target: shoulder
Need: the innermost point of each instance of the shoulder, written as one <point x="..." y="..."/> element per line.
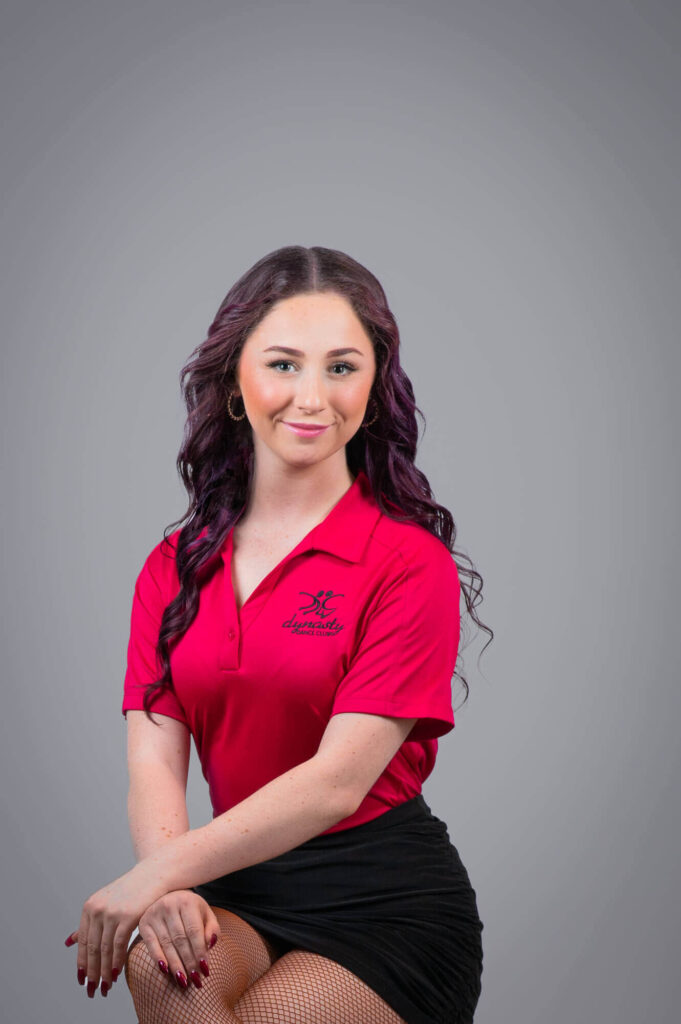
<point x="159" y="566"/>
<point x="414" y="553"/>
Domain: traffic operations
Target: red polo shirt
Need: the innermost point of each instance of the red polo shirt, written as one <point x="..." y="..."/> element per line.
<point x="362" y="615"/>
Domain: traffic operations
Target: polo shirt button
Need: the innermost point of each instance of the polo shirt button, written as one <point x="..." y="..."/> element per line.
<point x="231" y="634"/>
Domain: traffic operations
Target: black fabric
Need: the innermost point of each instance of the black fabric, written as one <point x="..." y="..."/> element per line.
<point x="390" y="900"/>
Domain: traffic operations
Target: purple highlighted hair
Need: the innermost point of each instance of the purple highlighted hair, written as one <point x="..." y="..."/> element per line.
<point x="215" y="461"/>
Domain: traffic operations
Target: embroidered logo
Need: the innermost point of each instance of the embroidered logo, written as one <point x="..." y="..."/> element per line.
<point x="318" y="610"/>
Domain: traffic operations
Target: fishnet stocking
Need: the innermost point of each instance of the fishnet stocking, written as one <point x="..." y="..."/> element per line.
<point x="248" y="985"/>
<point x="305" y="988"/>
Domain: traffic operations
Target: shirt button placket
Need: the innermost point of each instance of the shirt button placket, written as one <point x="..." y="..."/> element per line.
<point x="230" y="649"/>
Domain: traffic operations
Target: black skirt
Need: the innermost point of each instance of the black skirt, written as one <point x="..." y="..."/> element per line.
<point x="390" y="900"/>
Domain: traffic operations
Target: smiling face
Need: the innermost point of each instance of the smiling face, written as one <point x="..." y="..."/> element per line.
<point x="309" y="361"/>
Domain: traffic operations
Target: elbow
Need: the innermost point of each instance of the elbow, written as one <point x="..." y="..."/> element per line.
<point x="335" y="792"/>
<point x="345" y="803"/>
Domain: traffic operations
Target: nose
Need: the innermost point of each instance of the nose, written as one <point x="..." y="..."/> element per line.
<point x="310" y="392"/>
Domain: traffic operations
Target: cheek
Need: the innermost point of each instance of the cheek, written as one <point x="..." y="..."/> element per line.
<point x="355" y="397"/>
<point x="263" y="391"/>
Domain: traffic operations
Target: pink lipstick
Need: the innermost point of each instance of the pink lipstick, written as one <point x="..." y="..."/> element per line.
<point x="306" y="430"/>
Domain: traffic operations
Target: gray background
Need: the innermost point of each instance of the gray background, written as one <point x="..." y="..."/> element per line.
<point x="510" y="172"/>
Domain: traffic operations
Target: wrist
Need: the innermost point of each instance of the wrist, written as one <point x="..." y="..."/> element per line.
<point x="151" y="873"/>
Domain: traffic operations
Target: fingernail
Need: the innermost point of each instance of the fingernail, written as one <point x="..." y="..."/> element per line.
<point x="163" y="965"/>
<point x="196" y="979"/>
<point x="181" y="979"/>
<point x="204" y="967"/>
<point x="81" y="975"/>
<point x="70" y="941"/>
<point x="91" y="986"/>
<point x="114" y="973"/>
<point x="213" y="941"/>
<point x="104" y="988"/>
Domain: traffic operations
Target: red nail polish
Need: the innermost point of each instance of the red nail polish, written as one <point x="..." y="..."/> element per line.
<point x="70" y="941"/>
<point x="196" y="979"/>
<point x="81" y="975"/>
<point x="91" y="986"/>
<point x="163" y="965"/>
<point x="181" y="979"/>
<point x="114" y="973"/>
<point x="204" y="967"/>
<point x="213" y="941"/>
<point x="104" y="988"/>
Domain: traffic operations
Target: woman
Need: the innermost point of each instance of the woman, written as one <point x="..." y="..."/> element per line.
<point x="303" y="627"/>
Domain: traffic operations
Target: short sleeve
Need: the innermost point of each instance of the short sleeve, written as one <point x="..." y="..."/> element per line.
<point x="405" y="659"/>
<point x="148" y="605"/>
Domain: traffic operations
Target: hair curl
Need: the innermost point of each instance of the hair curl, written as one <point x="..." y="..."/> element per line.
<point x="215" y="461"/>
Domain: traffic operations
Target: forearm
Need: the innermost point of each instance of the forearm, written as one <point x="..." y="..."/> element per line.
<point x="281" y="815"/>
<point x="157" y="808"/>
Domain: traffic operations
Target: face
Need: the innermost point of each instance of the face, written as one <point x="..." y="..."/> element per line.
<point x="309" y="361"/>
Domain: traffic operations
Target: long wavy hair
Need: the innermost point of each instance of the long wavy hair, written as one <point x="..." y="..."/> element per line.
<point x="215" y="461"/>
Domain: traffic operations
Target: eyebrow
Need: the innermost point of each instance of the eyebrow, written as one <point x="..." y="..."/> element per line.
<point x="297" y="352"/>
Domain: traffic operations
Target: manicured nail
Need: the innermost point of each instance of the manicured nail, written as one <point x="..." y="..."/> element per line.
<point x="104" y="988"/>
<point x="213" y="941"/>
<point x="181" y="979"/>
<point x="163" y="965"/>
<point x="91" y="988"/>
<point x="114" y="973"/>
<point x="70" y="941"/>
<point x="204" y="967"/>
<point x="81" y="975"/>
<point x="196" y="979"/>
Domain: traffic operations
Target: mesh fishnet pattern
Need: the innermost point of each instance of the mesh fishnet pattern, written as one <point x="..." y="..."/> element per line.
<point x="248" y="985"/>
<point x="305" y="988"/>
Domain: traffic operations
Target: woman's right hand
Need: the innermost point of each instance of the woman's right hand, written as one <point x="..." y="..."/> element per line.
<point x="178" y="930"/>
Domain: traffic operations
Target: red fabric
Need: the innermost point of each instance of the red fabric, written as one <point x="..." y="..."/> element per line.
<point x="363" y="615"/>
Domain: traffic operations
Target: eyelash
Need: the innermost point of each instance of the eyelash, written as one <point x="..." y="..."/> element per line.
<point x="287" y="362"/>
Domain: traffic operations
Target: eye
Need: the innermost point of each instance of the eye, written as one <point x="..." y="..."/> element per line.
<point x="348" y="366"/>
<point x="281" y="362"/>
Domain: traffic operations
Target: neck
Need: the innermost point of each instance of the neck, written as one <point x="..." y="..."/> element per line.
<point x="296" y="495"/>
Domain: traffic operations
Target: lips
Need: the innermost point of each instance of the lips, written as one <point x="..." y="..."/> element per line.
<point x="307" y="426"/>
<point x="306" y="429"/>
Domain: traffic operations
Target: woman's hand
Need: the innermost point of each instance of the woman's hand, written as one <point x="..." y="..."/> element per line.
<point x="107" y="921"/>
<point x="178" y="931"/>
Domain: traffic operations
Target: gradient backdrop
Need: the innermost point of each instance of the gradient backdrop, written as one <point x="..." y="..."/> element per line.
<point x="510" y="171"/>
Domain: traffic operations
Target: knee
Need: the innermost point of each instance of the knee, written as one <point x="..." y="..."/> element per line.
<point x="139" y="968"/>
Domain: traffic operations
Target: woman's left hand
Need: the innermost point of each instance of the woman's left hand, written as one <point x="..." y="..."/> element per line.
<point x="108" y="919"/>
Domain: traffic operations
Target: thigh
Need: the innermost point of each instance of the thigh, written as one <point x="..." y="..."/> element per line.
<point x="302" y="987"/>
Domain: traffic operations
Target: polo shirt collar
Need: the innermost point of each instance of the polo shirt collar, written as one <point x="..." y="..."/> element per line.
<point x="346" y="529"/>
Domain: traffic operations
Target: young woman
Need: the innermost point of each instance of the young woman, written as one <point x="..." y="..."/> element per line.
<point x="303" y="627"/>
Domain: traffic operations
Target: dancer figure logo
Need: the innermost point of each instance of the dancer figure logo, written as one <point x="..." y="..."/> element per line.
<point x="317" y="608"/>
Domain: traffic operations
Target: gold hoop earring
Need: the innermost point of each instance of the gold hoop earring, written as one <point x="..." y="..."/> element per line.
<point x="229" y="407"/>
<point x="375" y="416"/>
